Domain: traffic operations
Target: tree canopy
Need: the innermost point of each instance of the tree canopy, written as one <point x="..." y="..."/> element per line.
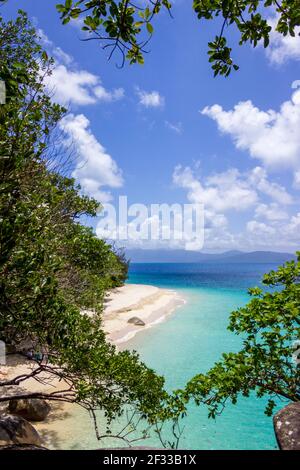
<point x="52" y="267"/>
<point x="127" y="27"/>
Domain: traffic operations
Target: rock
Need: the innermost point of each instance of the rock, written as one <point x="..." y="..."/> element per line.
<point x="136" y="321"/>
<point x="16" y="430"/>
<point x="11" y="349"/>
<point x="32" y="409"/>
<point x="287" y="427"/>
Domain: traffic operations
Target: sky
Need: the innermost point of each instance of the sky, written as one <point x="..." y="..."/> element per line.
<point x="168" y="132"/>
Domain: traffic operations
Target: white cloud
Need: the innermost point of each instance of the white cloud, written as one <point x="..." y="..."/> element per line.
<point x="271" y="212"/>
<point x="227" y="194"/>
<point x="103" y="95"/>
<point x="79" y="87"/>
<point x="62" y="56"/>
<point x="56" y="52"/>
<point x="150" y="99"/>
<point x="230" y="190"/>
<point x="175" y="127"/>
<point x="72" y="85"/>
<point x="259" y="228"/>
<point x="270" y="136"/>
<point x="282" y="48"/>
<point x="292" y="230"/>
<point x="297" y="179"/>
<point x="95" y="168"/>
<point x="169" y="235"/>
<point x="258" y="178"/>
<point x="220" y="192"/>
<point x="275" y="234"/>
<point x="45" y="41"/>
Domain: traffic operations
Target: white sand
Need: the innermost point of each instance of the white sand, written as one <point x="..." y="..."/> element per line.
<point x="60" y="422"/>
<point x="150" y="304"/>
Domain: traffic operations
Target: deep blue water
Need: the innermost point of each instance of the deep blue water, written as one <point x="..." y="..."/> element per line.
<point x="220" y="276"/>
<point x="194" y="337"/>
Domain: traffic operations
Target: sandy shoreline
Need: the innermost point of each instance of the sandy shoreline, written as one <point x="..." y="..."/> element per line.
<point x="150" y="304"/>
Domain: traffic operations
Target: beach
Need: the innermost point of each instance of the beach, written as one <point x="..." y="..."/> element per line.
<point x="178" y="343"/>
<point x="149" y="304"/>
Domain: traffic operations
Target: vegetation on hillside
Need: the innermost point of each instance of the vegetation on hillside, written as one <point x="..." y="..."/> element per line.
<point x="51" y="266"/>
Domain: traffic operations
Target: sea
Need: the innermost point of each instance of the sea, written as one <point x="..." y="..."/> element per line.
<point x="187" y="343"/>
<point x="194" y="338"/>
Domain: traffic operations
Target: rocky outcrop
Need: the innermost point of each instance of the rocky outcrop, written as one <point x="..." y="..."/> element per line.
<point x="136" y="321"/>
<point x="16" y="430"/>
<point x="287" y="427"/>
<point x="32" y="409"/>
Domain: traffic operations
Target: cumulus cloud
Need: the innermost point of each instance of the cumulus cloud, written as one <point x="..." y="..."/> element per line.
<point x="270" y="136"/>
<point x="151" y="99"/>
<point x="79" y="87"/>
<point x="262" y="202"/>
<point x="271" y="212"/>
<point x="276" y="234"/>
<point x="297" y="179"/>
<point x="178" y="228"/>
<point x="292" y="229"/>
<point x="219" y="192"/>
<point x="259" y="228"/>
<point x="282" y="48"/>
<point x="95" y="169"/>
<point x="259" y="179"/>
<point x="72" y="85"/>
<point x="56" y="51"/>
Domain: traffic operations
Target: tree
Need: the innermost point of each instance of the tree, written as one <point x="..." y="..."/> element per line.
<point x="127" y="27"/>
<point x="49" y="263"/>
<point x="269" y="362"/>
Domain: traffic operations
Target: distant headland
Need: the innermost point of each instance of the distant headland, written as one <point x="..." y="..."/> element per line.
<point x="183" y="256"/>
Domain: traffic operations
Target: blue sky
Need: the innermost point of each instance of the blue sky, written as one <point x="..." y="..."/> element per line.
<point x="168" y="132"/>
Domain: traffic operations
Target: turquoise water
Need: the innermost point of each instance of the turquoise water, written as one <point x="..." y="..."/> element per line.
<point x="194" y="337"/>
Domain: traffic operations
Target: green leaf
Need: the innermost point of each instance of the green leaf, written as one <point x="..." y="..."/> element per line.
<point x="150" y="28"/>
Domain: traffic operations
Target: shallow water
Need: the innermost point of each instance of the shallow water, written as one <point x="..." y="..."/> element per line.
<point x="189" y="342"/>
<point x="199" y="331"/>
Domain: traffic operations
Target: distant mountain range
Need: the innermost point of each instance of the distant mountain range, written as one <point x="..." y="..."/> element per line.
<point x="182" y="256"/>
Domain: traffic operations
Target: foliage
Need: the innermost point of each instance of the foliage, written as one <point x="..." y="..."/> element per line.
<point x="269" y="362"/>
<point x="118" y="23"/>
<point x="51" y="266"/>
<point x="122" y="25"/>
<point x="252" y="21"/>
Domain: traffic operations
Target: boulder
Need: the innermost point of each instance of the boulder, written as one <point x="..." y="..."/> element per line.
<point x="287" y="427"/>
<point x="16" y="430"/>
<point x="32" y="409"/>
<point x="136" y="321"/>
